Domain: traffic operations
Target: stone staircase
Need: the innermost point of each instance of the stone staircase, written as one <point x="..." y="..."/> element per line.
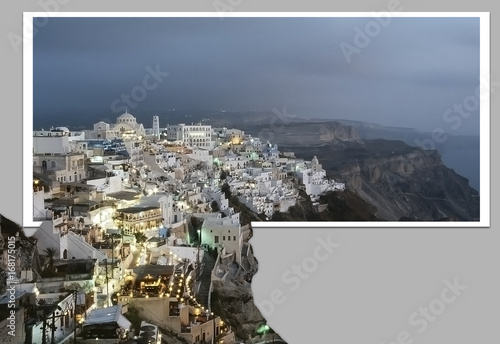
<point x="207" y="265"/>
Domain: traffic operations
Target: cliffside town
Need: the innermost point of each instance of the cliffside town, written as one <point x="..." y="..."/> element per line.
<point x="143" y="234"/>
<point x="150" y="224"/>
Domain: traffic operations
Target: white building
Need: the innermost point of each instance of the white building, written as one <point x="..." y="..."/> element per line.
<point x="56" y="234"/>
<point x="39" y="211"/>
<point x="61" y="167"/>
<point x="202" y="155"/>
<point x="109" y="184"/>
<point x="224" y="233"/>
<point x="192" y="135"/>
<point x="235" y="136"/>
<point x="313" y="176"/>
<point x="51" y="142"/>
<point x="101" y="130"/>
<point x="232" y="162"/>
<point x="167" y="209"/>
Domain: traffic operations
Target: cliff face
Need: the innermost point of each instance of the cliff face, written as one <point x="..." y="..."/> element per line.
<point x="402" y="182"/>
<point x="328" y="132"/>
<point x="375" y="169"/>
<point x="236" y="305"/>
<point x="410" y="185"/>
<point x="26" y="254"/>
<point x="306" y="133"/>
<point x="232" y="298"/>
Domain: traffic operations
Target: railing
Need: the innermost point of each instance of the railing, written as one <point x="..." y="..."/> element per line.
<point x="42" y="218"/>
<point x="78" y="277"/>
<point x="141" y="218"/>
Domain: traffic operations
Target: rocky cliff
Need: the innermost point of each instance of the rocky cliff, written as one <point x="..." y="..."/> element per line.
<point x="26" y="254"/>
<point x="391" y="179"/>
<point x="237" y="307"/>
<point x="232" y="298"/>
<point x="406" y="183"/>
<point x="402" y="182"/>
<point x="305" y="133"/>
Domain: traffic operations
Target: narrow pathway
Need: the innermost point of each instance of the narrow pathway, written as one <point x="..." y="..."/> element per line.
<point x="207" y="265"/>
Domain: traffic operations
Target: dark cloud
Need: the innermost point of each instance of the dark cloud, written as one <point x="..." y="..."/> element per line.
<point x="408" y="74"/>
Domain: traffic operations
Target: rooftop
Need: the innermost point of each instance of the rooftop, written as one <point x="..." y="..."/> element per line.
<point x="124" y="195"/>
<point x="154" y="270"/>
<point x="135" y="210"/>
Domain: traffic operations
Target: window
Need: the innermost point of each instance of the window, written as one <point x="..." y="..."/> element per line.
<point x="228" y="238"/>
<point x="216" y="239"/>
<point x="224" y="238"/>
<point x="234" y="237"/>
<point x="52" y="164"/>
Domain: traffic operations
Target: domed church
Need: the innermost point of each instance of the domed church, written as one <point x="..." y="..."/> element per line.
<point x="126" y="127"/>
<point x="127" y="124"/>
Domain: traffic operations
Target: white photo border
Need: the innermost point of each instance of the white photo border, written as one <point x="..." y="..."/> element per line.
<point x="485" y="155"/>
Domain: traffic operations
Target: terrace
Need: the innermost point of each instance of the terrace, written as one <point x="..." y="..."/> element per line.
<point x="150" y="281"/>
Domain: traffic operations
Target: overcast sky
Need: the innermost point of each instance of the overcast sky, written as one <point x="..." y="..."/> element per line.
<point x="408" y="74"/>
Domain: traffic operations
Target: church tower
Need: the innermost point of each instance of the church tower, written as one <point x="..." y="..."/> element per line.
<point x="315" y="165"/>
<point x="156" y="127"/>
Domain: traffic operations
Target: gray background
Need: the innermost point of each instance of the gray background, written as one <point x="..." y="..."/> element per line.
<point x="364" y="292"/>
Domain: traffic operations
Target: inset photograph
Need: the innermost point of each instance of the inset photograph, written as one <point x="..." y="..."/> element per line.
<point x="370" y="121"/>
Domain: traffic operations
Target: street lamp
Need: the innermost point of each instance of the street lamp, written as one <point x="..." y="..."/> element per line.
<point x="213" y="333"/>
<point x="122" y="216"/>
<point x="107" y="281"/>
<point x="198" y="255"/>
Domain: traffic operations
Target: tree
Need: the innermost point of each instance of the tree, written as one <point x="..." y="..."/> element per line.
<point x="196" y="224"/>
<point x="86" y="287"/>
<point x="223" y="175"/>
<point x="215" y="206"/>
<point x="227" y="190"/>
<point x="50" y="253"/>
<point x="139" y="237"/>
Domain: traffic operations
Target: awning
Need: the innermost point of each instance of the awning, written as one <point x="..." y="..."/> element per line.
<point x="123" y="322"/>
<point x="107" y="316"/>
